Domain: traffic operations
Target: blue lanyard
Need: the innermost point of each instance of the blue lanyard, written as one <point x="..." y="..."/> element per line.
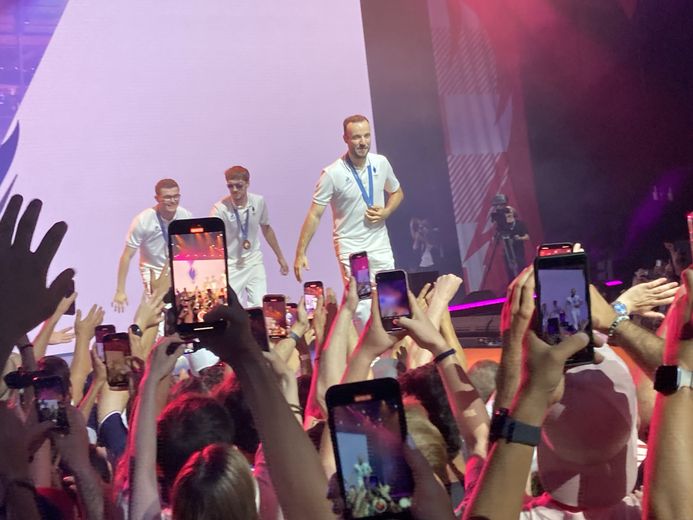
<point x="164" y="229"/>
<point x="367" y="197"/>
<point x="242" y="227"/>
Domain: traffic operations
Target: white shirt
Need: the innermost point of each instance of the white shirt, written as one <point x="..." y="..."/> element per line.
<point x="575" y="302"/>
<point x="145" y="234"/>
<point x="351" y="231"/>
<point x="257" y="214"/>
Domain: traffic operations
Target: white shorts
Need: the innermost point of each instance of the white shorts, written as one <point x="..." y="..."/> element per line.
<point x="382" y="261"/>
<point x="249" y="283"/>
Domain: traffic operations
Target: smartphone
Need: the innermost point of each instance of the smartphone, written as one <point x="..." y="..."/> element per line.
<point x="358" y="262"/>
<point x="393" y="297"/>
<point x="563" y="301"/>
<point x="70" y="291"/>
<point x="291" y="315"/>
<point x="197" y="252"/>
<point x="258" y="327"/>
<point x="368" y="429"/>
<point x="99" y="332"/>
<point x="274" y="309"/>
<point x="312" y="291"/>
<point x="562" y="248"/>
<point x="117" y="353"/>
<point x="51" y="400"/>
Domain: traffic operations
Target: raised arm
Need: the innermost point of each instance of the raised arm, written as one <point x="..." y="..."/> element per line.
<point x="271" y="238"/>
<point x="120" y="299"/>
<point x="310" y="225"/>
<point x="286" y="445"/>
<point x="43" y="338"/>
<point x="669" y="470"/>
<point x="81" y="361"/>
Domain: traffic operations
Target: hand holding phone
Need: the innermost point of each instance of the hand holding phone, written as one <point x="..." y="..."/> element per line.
<point x="291" y="315"/>
<point x="117" y="357"/>
<point x="312" y="291"/>
<point x="563" y="301"/>
<point x="368" y="429"/>
<point x="393" y="298"/>
<point x="358" y="263"/>
<point x="51" y="401"/>
<point x="258" y="327"/>
<point x="274" y="310"/>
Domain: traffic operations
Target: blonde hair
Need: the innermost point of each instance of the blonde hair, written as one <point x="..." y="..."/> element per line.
<point x="215" y="484"/>
<point x="427" y="438"/>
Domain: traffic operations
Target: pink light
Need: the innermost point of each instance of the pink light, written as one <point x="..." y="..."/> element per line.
<point x="474" y="305"/>
<point x="613" y="283"/>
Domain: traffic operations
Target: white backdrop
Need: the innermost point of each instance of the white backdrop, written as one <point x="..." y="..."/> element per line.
<point x="132" y="91"/>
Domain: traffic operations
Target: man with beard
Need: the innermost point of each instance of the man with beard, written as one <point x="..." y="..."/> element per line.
<point x="355" y="186"/>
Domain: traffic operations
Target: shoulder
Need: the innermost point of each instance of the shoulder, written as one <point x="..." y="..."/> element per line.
<point x="181" y="212"/>
<point x="379" y="160"/>
<point x="256" y="199"/>
<point x="334" y="167"/>
<point x="144" y="216"/>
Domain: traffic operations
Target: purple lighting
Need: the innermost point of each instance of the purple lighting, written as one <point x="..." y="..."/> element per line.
<point x="613" y="283"/>
<point x="474" y="305"/>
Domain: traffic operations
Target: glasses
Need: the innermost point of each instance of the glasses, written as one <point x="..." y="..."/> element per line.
<point x="235" y="185"/>
<point x="171" y="198"/>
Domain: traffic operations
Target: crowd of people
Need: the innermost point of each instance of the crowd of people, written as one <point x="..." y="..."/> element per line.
<point x="251" y="441"/>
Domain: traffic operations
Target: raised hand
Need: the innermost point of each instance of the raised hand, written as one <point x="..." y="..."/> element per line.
<point x="120" y="301"/>
<point x="375" y="340"/>
<point x="26" y="301"/>
<point x="642" y="298"/>
<point x="161" y="360"/>
<point x="422" y="330"/>
<point x="160" y="284"/>
<point x="61" y="336"/>
<point x="84" y="327"/>
<point x="350" y="299"/>
<point x="678" y="348"/>
<point x="151" y="310"/>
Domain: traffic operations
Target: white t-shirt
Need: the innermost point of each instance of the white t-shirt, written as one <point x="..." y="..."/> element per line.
<point x="351" y="231"/>
<point x="575" y="302"/>
<point x="145" y="234"/>
<point x="257" y="214"/>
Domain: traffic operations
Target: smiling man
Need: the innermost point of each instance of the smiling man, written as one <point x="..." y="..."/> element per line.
<point x="245" y="216"/>
<point x="355" y="186"/>
<point x="149" y="233"/>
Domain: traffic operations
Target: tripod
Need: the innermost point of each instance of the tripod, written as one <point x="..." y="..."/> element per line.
<point x="511" y="263"/>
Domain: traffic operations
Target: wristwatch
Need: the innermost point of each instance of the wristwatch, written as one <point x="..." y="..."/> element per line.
<point x="620" y="308"/>
<point x="669" y="378"/>
<point x="136" y="330"/>
<point x="505" y="427"/>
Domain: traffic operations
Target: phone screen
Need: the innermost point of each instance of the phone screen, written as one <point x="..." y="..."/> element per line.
<point x="563" y="303"/>
<point x="99" y="332"/>
<point x="274" y="309"/>
<point x="312" y="291"/>
<point x="116" y="350"/>
<point x="198" y="271"/>
<point x="361" y="272"/>
<point x="291" y="314"/>
<point x="50" y="401"/>
<point x="258" y="327"/>
<point x="393" y="297"/>
<point x="374" y="476"/>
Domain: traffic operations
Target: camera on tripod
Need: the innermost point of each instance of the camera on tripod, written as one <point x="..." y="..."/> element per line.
<point x="499" y="213"/>
<point x="23" y="378"/>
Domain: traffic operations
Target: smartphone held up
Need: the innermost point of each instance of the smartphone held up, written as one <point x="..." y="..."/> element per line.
<point x="311" y="292"/>
<point x="360" y="270"/>
<point x="393" y="298"/>
<point x="563" y="300"/>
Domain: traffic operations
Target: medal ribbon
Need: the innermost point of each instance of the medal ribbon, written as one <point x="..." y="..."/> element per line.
<point x="243" y="228"/>
<point x="164" y="231"/>
<point x="367" y="196"/>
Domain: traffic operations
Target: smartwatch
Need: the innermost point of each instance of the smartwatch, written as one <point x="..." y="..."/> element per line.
<point x="136" y="330"/>
<point x="505" y="427"/>
<point x="669" y="378"/>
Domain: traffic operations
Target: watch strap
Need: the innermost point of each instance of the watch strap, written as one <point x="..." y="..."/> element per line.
<point x="614" y="324"/>
<point x="503" y="426"/>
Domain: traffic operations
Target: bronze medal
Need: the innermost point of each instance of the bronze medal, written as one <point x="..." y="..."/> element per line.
<point x="246" y="244"/>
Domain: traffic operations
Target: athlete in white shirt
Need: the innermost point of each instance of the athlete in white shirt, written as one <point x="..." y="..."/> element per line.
<point x="146" y="234"/>
<point x="354" y="185"/>
<point x="245" y="216"/>
<point x="574" y="302"/>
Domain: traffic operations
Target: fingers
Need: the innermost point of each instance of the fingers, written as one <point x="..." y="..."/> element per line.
<point x="9" y="219"/>
<point x="517" y="284"/>
<point x="571" y="345"/>
<point x="424" y="290"/>
<point x="60" y="285"/>
<point x="414" y="305"/>
<point x="50" y="244"/>
<point x="27" y="225"/>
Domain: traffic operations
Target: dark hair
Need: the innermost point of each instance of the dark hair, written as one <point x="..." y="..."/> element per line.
<point x="425" y="385"/>
<point x="356" y="118"/>
<point x="165" y="184"/>
<point x="237" y="172"/>
<point x="185" y="426"/>
<point x="189" y="385"/>
<point x="230" y="395"/>
<point x="56" y="366"/>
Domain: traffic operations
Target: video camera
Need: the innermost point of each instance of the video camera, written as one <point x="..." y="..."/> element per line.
<point x="499" y="211"/>
<point x="23" y="378"/>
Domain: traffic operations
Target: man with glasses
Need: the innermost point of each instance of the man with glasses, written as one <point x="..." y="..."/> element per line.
<point x="245" y="216"/>
<point x="149" y="233"/>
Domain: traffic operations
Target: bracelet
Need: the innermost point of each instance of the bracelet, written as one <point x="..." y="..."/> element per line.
<point x="296" y="409"/>
<point x="294" y="336"/>
<point x="304" y="357"/>
<point x="614" y="324"/>
<point x="27" y="345"/>
<point x="446" y="354"/>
